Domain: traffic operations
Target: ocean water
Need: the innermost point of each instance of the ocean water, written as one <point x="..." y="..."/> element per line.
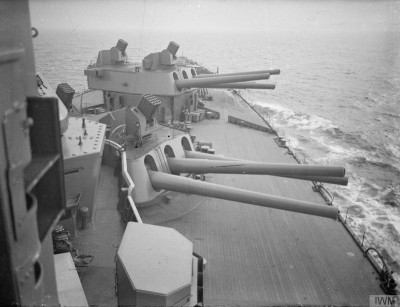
<point x="337" y="98"/>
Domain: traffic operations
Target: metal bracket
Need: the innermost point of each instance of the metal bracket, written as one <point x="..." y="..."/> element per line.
<point x="18" y="154"/>
<point x="16" y="128"/>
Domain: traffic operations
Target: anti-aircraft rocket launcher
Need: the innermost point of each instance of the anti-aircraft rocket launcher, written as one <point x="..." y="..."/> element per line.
<point x="155" y="131"/>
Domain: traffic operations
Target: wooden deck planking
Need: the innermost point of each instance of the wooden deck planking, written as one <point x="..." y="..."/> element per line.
<point x="251" y="257"/>
<point x="256" y="256"/>
<point x="101" y="239"/>
<point x="265" y="255"/>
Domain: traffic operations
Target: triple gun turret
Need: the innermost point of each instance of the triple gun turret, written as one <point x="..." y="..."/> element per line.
<point x="161" y="74"/>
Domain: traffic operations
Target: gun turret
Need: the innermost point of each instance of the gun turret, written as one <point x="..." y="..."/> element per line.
<point x="162" y="75"/>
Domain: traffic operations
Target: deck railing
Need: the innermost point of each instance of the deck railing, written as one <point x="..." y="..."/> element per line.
<point x="127" y="179"/>
<point x="131" y="186"/>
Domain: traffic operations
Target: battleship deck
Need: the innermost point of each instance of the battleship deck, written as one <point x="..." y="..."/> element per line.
<point x="255" y="256"/>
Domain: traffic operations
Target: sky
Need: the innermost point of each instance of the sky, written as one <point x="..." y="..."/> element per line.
<point x="210" y="15"/>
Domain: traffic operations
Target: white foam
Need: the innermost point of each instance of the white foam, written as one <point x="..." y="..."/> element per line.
<point x="366" y="211"/>
<point x="290" y="118"/>
<point x="394" y="149"/>
<point x="369" y="215"/>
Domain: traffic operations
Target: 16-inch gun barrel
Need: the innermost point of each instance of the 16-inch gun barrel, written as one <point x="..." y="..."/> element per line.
<point x="202" y="166"/>
<point x="205" y="82"/>
<point x="327" y="174"/>
<point x="268" y="71"/>
<point x="186" y="185"/>
<point x="244" y="85"/>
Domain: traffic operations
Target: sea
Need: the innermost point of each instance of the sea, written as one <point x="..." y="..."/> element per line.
<point x="337" y="99"/>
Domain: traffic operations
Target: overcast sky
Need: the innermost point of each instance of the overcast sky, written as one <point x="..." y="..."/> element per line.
<point x="205" y="15"/>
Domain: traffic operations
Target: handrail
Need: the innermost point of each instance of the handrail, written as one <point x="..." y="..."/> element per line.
<point x="127" y="178"/>
<point x="115" y="129"/>
<point x="125" y="173"/>
<point x="114" y="144"/>
<point x="134" y="209"/>
<point x="131" y="186"/>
